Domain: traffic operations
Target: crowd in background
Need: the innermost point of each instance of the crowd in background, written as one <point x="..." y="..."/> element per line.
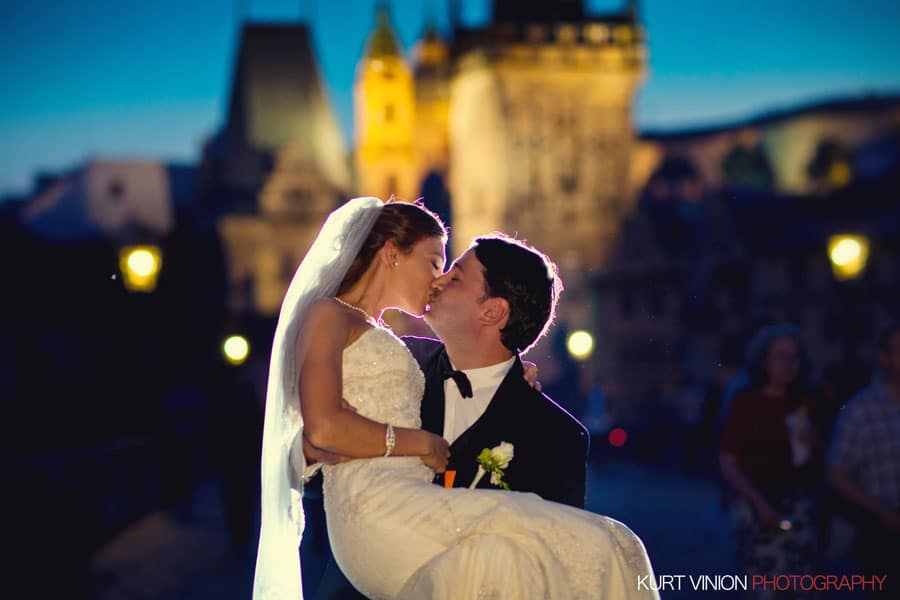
<point x="801" y="470"/>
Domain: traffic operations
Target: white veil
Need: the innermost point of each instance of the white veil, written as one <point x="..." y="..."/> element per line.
<point x="318" y="276"/>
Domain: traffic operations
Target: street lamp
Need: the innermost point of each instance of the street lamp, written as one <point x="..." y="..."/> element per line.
<point x="140" y="267"/>
<point x="848" y="255"/>
<point x="236" y="348"/>
<point x="580" y="344"/>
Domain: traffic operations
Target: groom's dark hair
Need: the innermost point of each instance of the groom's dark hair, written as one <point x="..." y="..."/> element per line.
<point x="402" y="223"/>
<point x="529" y="282"/>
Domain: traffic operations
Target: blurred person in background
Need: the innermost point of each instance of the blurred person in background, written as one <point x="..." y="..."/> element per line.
<point x="770" y="455"/>
<point x="864" y="462"/>
<point x="740" y="380"/>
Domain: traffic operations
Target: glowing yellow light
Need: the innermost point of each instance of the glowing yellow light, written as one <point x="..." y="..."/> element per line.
<point x="848" y="254"/>
<point x="140" y="267"/>
<point x="840" y="174"/>
<point x="142" y="262"/>
<point x="236" y="348"/>
<point x="580" y="344"/>
<point x="845" y="252"/>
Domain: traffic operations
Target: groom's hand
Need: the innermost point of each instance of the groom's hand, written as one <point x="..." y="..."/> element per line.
<point x="314" y="454"/>
<point x="531" y="374"/>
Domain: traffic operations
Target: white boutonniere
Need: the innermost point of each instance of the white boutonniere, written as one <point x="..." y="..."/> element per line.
<point x="493" y="461"/>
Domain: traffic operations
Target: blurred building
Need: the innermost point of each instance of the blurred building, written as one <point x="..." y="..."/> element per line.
<point x="529" y="118"/>
<point x="526" y="124"/>
<point x="672" y="244"/>
<point x="800" y="151"/>
<point x="541" y="129"/>
<point x="127" y="201"/>
<point x="277" y="167"/>
<point x="385" y="154"/>
<point x="732" y="229"/>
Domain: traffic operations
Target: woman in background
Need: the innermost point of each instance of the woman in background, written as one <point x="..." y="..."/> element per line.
<point x="771" y="456"/>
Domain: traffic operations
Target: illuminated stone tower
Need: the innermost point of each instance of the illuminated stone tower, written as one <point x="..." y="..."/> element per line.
<point x="279" y="166"/>
<point x="384" y="117"/>
<point x="431" y="58"/>
<point x="541" y="131"/>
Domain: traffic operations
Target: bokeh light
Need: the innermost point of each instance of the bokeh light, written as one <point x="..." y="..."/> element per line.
<point x="140" y="266"/>
<point x="236" y="348"/>
<point x="618" y="437"/>
<point x="848" y="255"/>
<point x="580" y="344"/>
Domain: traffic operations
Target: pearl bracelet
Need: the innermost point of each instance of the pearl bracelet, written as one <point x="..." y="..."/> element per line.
<point x="390" y="440"/>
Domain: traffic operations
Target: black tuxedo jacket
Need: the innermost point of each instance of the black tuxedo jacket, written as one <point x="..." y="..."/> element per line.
<point x="551" y="446"/>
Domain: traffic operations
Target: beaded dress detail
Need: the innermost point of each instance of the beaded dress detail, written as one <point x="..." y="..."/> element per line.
<point x="397" y="535"/>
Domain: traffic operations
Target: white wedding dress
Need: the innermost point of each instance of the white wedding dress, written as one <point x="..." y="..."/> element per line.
<point x="397" y="535"/>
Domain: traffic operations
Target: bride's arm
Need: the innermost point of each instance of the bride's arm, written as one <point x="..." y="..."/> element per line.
<point x="327" y="425"/>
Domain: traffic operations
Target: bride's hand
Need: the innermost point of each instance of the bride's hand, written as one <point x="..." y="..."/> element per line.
<point x="437" y="452"/>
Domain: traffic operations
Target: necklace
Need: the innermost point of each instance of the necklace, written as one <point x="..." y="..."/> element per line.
<point x="358" y="309"/>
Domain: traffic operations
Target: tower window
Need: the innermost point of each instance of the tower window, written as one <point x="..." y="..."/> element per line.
<point x="116" y="191"/>
<point x="596" y="33"/>
<point x="623" y="34"/>
<point x="389" y="113"/>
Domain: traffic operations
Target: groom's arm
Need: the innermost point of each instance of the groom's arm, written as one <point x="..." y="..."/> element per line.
<point x="573" y="468"/>
<point x="566" y="443"/>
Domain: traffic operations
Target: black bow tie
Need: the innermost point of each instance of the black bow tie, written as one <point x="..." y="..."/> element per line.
<point x="462" y="382"/>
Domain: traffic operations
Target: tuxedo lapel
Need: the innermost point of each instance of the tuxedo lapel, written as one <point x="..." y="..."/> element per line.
<point x="433" y="408"/>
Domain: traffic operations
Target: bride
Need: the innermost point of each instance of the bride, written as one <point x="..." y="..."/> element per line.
<point x="393" y="532"/>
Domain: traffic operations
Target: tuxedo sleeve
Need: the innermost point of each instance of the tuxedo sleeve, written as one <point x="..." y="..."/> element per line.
<point x="565" y="448"/>
<point x="573" y="472"/>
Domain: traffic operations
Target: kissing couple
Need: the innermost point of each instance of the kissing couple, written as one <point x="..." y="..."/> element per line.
<point x="342" y="384"/>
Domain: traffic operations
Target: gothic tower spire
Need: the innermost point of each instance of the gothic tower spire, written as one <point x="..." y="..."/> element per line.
<point x="384" y="114"/>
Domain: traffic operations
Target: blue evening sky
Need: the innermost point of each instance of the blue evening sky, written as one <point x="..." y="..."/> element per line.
<point x="150" y="79"/>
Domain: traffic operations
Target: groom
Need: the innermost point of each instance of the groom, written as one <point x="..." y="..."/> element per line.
<point x="495" y="302"/>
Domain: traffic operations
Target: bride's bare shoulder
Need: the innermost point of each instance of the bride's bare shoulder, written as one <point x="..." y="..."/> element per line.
<point x="327" y="312"/>
<point x="326" y="328"/>
<point x="326" y="315"/>
<point x="331" y="327"/>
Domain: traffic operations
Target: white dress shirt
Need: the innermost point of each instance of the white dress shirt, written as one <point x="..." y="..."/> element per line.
<point x="460" y="413"/>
